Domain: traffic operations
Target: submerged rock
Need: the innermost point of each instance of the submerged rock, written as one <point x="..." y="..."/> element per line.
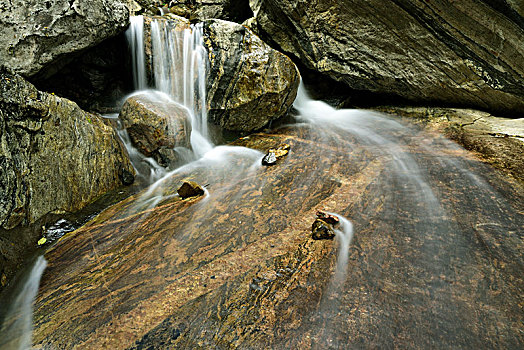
<point x="190" y="189"/>
<point x="249" y="84"/>
<point x="34" y="33"/>
<point x="322" y="230"/>
<point x="462" y="52"/>
<point x="156" y="125"/>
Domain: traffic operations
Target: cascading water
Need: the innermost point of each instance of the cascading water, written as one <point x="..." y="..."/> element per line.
<point x="17" y="327"/>
<point x="179" y="70"/>
<point x="135" y="38"/>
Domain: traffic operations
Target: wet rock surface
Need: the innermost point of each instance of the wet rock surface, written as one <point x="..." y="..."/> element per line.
<point x="322" y="230"/>
<point x="36" y="33"/>
<point x="466" y="53"/>
<point x="499" y="141"/>
<point x="54" y="158"/>
<point x="239" y="269"/>
<point x="156" y="125"/>
<point x="249" y="84"/>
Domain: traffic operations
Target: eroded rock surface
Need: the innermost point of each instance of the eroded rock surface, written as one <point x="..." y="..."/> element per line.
<point x="230" y="10"/>
<point x="36" y="33"/>
<point x="55" y="157"/>
<point x="238" y="268"/>
<point x="249" y="84"/>
<point x="156" y="125"/>
<point x="457" y="53"/>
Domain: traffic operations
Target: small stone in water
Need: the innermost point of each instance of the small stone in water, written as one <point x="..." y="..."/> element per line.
<point x="273" y="155"/>
<point x="330" y="219"/>
<point x="42" y="241"/>
<point x="269" y="158"/>
<point x="322" y="230"/>
<point x="190" y="189"/>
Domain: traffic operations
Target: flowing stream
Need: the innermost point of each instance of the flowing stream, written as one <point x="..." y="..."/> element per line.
<point x="17" y="323"/>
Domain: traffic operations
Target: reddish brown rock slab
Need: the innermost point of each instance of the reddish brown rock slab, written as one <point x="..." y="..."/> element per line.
<point x="238" y="268"/>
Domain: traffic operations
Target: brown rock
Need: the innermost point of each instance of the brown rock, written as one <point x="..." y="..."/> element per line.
<point x="156" y="124"/>
<point x="330" y="219"/>
<point x="190" y="189"/>
<point x="322" y="230"/>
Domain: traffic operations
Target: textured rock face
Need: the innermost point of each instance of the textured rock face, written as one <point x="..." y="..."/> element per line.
<point x="54" y="157"/>
<point x="249" y="83"/>
<point x="239" y="269"/>
<point x="156" y="125"/>
<point x="462" y="53"/>
<point x="34" y="33"/>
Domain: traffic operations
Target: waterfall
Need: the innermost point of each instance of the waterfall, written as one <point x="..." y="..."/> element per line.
<point x="17" y="327"/>
<point x="135" y="38"/>
<point x="179" y="70"/>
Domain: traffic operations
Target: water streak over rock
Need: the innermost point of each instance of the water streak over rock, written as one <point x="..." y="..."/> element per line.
<point x="434" y="258"/>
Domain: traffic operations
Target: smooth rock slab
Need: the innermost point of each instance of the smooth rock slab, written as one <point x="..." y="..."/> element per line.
<point x="238" y="268"/>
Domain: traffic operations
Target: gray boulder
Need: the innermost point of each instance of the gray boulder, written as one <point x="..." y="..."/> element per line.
<point x="54" y="157"/>
<point x="156" y="125"/>
<point x="35" y="33"/>
<point x="249" y="84"/>
<point x="467" y="53"/>
<point x="230" y="10"/>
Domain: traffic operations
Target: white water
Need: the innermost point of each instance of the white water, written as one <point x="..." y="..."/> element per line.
<point x="17" y="326"/>
<point x="344" y="235"/>
<point x="179" y="69"/>
<point x="135" y="38"/>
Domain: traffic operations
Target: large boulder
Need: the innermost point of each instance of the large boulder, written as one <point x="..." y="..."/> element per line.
<point x="156" y="125"/>
<point x="35" y="33"/>
<point x="54" y="157"/>
<point x="467" y="53"/>
<point x="249" y="84"/>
